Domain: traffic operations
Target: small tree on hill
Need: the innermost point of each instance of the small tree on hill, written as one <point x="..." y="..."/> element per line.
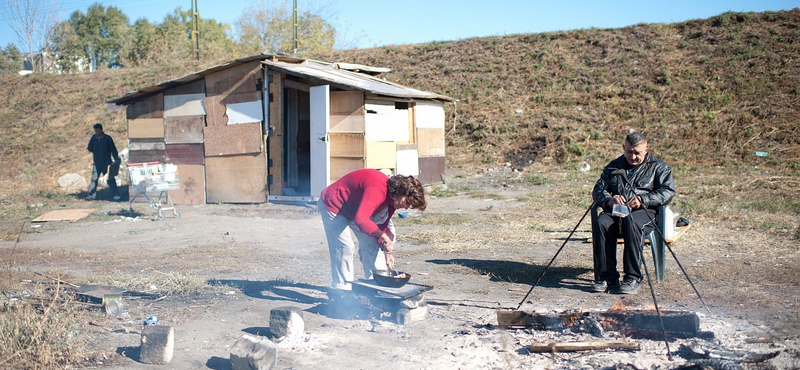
<point x="269" y="29"/>
<point x="33" y="21"/>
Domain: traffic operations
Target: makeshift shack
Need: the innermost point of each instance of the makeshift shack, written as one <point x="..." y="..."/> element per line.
<point x="271" y="127"/>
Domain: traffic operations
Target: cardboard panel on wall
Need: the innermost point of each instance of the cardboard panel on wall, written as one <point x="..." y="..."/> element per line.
<point x="430" y="142"/>
<point x="184" y="105"/>
<point x="193" y="185"/>
<point x="431" y="169"/>
<point x="184" y="130"/>
<point x="150" y="107"/>
<point x="429" y="115"/>
<point x="216" y="106"/>
<point x="233" y="139"/>
<point x="238" y="79"/>
<point x="407" y="160"/>
<point x="184" y="153"/>
<point x="343" y="166"/>
<point x="194" y="87"/>
<point x="385" y="123"/>
<point x="346" y="145"/>
<point x="142" y="128"/>
<point x="236" y="179"/>
<point x="381" y="155"/>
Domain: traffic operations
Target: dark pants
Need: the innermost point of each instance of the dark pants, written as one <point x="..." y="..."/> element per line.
<point x="96" y="173"/>
<point x="605" y="233"/>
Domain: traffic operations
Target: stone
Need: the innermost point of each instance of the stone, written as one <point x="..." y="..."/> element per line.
<point x="72" y="180"/>
<point x="286" y="321"/>
<point x="407" y="316"/>
<point x="158" y="343"/>
<point x="253" y="353"/>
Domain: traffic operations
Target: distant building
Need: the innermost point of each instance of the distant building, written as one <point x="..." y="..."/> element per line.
<point x="55" y="64"/>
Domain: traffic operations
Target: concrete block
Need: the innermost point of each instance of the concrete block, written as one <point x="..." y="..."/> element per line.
<point x="286" y="321"/>
<point x="407" y="316"/>
<point x="253" y="353"/>
<point x="158" y="343"/>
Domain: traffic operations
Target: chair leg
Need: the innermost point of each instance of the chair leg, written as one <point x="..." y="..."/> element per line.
<point x="659" y="255"/>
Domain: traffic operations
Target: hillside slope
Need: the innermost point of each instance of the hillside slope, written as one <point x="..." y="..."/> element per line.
<point x="708" y="92"/>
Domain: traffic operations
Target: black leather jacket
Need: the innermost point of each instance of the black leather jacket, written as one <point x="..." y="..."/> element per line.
<point x="651" y="180"/>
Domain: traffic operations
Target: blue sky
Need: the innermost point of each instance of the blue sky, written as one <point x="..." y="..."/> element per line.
<point x="369" y="23"/>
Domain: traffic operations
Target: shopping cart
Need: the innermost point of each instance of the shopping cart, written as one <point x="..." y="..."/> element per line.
<point x="154" y="178"/>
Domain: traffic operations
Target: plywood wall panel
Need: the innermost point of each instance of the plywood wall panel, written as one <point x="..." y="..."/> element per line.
<point x="431" y="170"/>
<point x="347" y="145"/>
<point x="139" y="156"/>
<point x="138" y="145"/>
<point x="184" y="153"/>
<point x="233" y="139"/>
<point x="347" y="103"/>
<point x="238" y="79"/>
<point x="184" y="130"/>
<point x="193" y="185"/>
<point x="142" y="128"/>
<point x="343" y="166"/>
<point x="150" y="107"/>
<point x="216" y="105"/>
<point x="194" y="87"/>
<point x="184" y="105"/>
<point x="353" y="123"/>
<point x="430" y="142"/>
<point x="236" y="179"/>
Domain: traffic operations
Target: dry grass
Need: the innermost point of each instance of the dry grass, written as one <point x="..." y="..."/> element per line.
<point x="41" y="329"/>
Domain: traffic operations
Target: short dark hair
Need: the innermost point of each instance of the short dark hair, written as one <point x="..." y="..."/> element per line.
<point x="97" y="126"/>
<point x="409" y="187"/>
<point x="635" y="138"/>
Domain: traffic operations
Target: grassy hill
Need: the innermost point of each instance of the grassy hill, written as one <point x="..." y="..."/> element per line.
<point x="709" y="92"/>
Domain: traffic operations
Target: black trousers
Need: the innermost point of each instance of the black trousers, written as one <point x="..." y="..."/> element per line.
<point x="605" y="232"/>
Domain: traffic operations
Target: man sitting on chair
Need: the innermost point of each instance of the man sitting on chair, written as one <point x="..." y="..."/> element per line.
<point x="629" y="190"/>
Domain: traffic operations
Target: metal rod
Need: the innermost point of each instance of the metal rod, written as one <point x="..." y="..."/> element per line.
<point x="554" y="256"/>
<point x="658" y="311"/>
<point x="669" y="246"/>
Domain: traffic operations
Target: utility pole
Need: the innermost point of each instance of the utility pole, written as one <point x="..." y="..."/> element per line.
<point x="294" y="26"/>
<point x="196" y="30"/>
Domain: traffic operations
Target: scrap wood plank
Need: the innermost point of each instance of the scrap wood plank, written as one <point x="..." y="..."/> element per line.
<point x="64" y="215"/>
<point x="582" y="346"/>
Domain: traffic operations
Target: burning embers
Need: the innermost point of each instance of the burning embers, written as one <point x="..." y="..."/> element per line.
<point x="632" y="323"/>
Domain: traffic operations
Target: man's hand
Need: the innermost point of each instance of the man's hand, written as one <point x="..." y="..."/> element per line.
<point x="636" y="202"/>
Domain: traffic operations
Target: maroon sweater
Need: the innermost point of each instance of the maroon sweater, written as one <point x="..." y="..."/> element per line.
<point x="358" y="196"/>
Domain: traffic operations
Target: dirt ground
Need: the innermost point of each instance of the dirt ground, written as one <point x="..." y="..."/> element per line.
<point x="480" y="250"/>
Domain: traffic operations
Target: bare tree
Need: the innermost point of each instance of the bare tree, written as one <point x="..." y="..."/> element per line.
<point x="34" y="22"/>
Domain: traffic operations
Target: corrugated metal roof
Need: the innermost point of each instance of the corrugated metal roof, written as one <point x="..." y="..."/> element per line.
<point x="330" y="73"/>
<point x="327" y="72"/>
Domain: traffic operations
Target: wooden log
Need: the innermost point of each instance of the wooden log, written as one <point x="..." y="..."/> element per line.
<point x="634" y="322"/>
<point x="582" y="346"/>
